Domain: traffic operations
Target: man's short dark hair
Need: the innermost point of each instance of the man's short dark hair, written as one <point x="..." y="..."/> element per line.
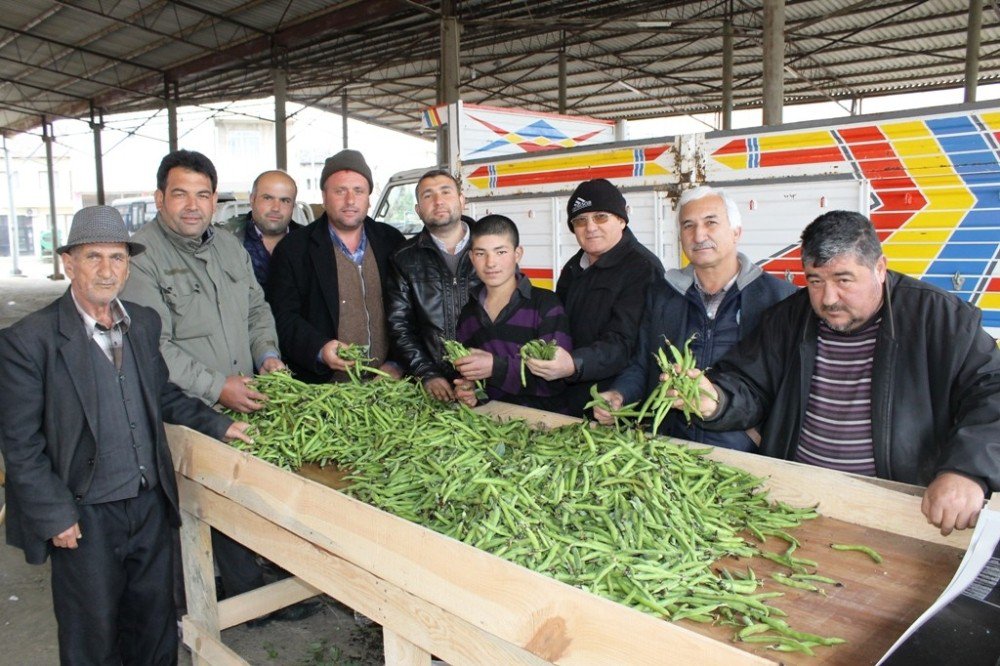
<point x="495" y="225"/>
<point x="837" y="233"/>
<point x="438" y="173"/>
<point x="185" y="159"/>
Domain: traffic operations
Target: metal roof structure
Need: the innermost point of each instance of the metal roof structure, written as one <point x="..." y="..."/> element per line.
<point x="623" y="58"/>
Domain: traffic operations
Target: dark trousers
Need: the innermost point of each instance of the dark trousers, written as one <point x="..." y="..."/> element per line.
<point x="113" y="595"/>
<point x="238" y="566"/>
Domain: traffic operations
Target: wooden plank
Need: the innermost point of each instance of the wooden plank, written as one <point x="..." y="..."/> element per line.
<point x="885" y="505"/>
<point x="554" y="621"/>
<point x="419" y="622"/>
<point x="263" y="600"/>
<point x="400" y="652"/>
<point x="876" y="602"/>
<point x="206" y="648"/>
<point x="199" y="574"/>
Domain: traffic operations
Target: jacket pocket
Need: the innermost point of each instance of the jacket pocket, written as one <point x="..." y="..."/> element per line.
<point x="190" y="311"/>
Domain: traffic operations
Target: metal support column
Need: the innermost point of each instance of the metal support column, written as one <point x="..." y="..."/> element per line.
<point x="97" y="124"/>
<point x="562" y="78"/>
<point x="727" y="74"/>
<point x="448" y="89"/>
<point x="280" y="77"/>
<point x="171" y="96"/>
<point x="48" y="138"/>
<point x="774" y="56"/>
<point x="972" y="49"/>
<point x="12" y="214"/>
<point x="343" y="117"/>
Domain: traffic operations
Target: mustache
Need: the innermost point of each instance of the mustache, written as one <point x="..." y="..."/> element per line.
<point x="836" y="307"/>
<point x="704" y="245"/>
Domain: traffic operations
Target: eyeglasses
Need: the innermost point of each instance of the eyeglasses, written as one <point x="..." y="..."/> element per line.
<point x="596" y="218"/>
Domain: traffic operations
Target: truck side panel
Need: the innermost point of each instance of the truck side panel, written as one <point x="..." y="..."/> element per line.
<point x="934" y="190"/>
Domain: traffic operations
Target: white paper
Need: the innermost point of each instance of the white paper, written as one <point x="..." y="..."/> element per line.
<point x="984" y="542"/>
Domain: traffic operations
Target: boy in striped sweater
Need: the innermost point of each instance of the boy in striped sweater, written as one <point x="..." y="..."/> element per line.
<point x="503" y="314"/>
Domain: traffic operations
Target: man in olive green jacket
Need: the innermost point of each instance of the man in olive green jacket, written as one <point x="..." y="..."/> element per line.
<point x="217" y="328"/>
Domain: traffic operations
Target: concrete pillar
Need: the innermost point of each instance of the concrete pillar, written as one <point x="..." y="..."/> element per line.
<point x="448" y="88"/>
<point x="48" y="138"/>
<point x="774" y="60"/>
<point x="727" y="74"/>
<point x="972" y="49"/>
<point x="97" y="124"/>
<point x="280" y="77"/>
<point x="562" y="79"/>
<point x="12" y="214"/>
<point x="171" y="97"/>
<point x="343" y="117"/>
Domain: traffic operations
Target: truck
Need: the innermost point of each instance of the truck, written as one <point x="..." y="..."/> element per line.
<point x="929" y="180"/>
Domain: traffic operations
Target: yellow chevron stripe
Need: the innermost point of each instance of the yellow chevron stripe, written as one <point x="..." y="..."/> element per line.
<point x="948" y="199"/>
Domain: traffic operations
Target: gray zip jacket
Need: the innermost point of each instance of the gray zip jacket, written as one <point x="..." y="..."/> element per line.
<point x="216" y="322"/>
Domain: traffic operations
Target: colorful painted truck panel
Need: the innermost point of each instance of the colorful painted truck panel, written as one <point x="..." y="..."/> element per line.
<point x="929" y="180"/>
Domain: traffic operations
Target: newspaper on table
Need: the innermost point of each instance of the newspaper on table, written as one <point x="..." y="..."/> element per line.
<point x="963" y="625"/>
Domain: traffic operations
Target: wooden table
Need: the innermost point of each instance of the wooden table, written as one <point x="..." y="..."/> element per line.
<point x="434" y="595"/>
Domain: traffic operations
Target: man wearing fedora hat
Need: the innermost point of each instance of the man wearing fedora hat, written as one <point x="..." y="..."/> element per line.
<point x="89" y="477"/>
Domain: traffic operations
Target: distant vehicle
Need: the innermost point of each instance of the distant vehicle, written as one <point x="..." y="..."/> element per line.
<point x="397" y="205"/>
<point x="136" y="211"/>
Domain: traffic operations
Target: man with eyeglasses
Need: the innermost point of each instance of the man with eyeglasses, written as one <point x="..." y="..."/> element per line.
<point x="603" y="289"/>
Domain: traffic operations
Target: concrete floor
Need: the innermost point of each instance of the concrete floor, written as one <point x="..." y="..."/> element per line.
<point x="27" y="624"/>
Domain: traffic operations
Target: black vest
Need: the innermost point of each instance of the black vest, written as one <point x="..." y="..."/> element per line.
<point x="124" y="440"/>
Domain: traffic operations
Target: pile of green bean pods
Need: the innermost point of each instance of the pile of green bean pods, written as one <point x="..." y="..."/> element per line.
<point x="631" y="517"/>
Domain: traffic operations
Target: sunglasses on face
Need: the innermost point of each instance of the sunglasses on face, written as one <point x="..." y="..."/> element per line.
<point x="596" y="218"/>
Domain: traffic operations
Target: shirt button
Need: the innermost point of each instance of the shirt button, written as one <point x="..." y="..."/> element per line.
<point x="132" y="426"/>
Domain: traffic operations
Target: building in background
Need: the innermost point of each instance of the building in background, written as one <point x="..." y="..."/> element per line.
<point x="238" y="137"/>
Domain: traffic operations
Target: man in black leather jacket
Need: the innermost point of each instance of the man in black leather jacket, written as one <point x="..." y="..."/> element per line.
<point x="431" y="276"/>
<point x="923" y="405"/>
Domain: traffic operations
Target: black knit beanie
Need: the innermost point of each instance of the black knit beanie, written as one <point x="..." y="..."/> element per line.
<point x="596" y="196"/>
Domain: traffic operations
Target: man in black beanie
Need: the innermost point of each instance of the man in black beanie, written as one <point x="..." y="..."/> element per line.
<point x="328" y="280"/>
<point x="603" y="288"/>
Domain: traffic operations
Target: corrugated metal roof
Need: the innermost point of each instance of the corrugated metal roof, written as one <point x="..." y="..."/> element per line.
<point x="625" y="58"/>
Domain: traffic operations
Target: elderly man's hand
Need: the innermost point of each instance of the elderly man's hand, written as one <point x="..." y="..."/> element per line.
<point x="440" y="389"/>
<point x="952" y="502"/>
<point x="237" y="430"/>
<point x="239" y="395"/>
<point x="560" y="367"/>
<point x="615" y="399"/>
<point x="68" y="537"/>
<point x="271" y="364"/>
<point x="477" y="365"/>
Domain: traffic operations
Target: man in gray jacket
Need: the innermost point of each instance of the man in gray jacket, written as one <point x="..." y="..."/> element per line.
<point x="217" y="328"/>
<point x="715" y="301"/>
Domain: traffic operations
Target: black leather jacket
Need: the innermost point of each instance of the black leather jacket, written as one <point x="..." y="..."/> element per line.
<point x="425" y="299"/>
<point x="935" y="384"/>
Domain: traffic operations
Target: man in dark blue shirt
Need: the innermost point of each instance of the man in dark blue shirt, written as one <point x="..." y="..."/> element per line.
<point x="272" y="200"/>
<point x="717" y="298"/>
